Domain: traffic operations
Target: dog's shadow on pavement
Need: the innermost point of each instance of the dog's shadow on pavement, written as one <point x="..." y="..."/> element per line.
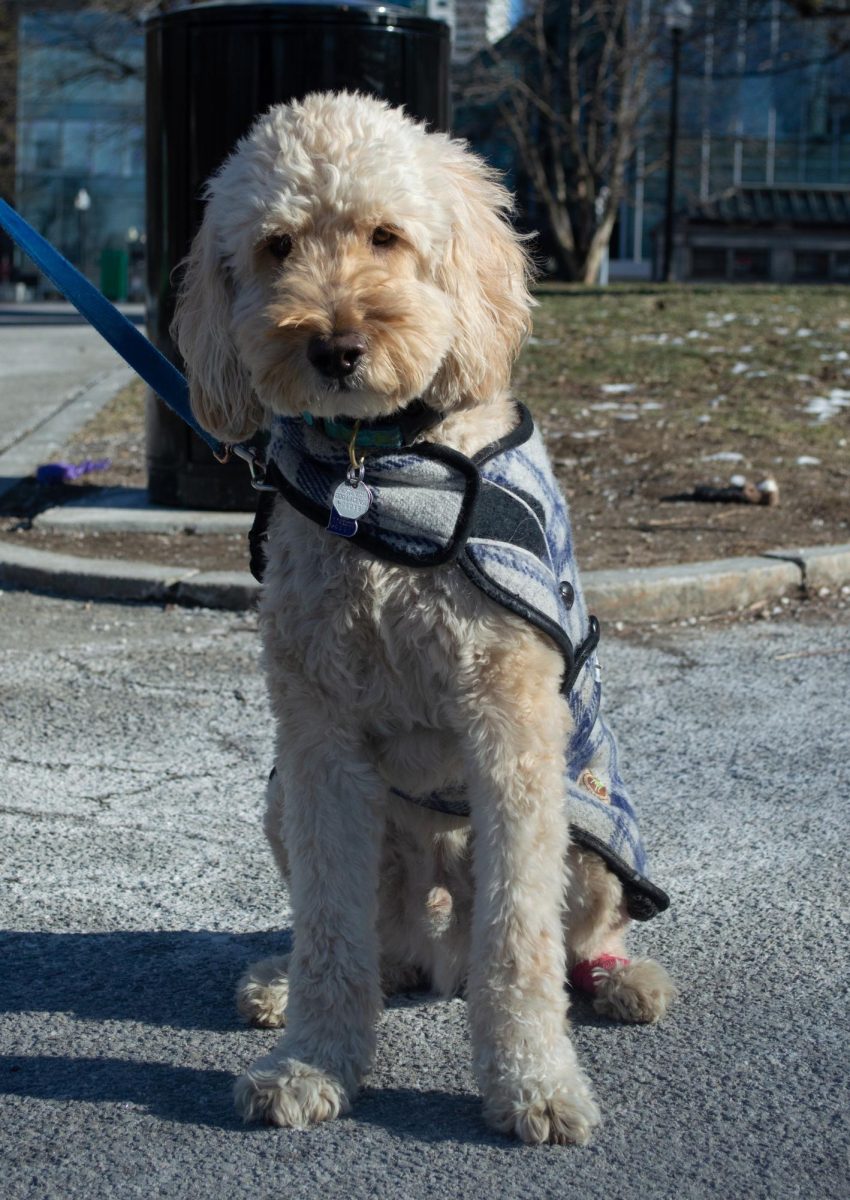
<point x="180" y="980"/>
<point x="204" y="1097"/>
<point x="186" y="1095"/>
<point x="184" y="979"/>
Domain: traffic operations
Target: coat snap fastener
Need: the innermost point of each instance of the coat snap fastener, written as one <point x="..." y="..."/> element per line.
<point x="568" y="592"/>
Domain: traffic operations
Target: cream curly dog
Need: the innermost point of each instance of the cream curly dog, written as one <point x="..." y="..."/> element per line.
<point x="352" y="265"/>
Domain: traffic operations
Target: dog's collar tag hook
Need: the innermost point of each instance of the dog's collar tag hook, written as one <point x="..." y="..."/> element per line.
<point x="352" y="498"/>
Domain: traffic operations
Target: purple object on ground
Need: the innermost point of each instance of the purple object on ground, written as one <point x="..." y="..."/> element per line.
<point x="63" y="472"/>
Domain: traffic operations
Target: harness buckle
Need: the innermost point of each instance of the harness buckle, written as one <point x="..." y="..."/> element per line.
<point x="256" y="466"/>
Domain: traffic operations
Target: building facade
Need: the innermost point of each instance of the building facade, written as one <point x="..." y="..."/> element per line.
<point x="80" y="139"/>
<point x="764" y="101"/>
<point x="764" y="107"/>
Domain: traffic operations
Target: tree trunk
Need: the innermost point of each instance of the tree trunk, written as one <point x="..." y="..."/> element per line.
<point x="599" y="243"/>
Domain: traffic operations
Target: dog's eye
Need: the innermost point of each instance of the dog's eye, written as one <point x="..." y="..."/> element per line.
<point x="280" y="246"/>
<point x="382" y="236"/>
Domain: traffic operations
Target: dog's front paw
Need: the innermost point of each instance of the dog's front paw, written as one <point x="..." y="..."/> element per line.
<point x="561" y="1111"/>
<point x="262" y="992"/>
<point x="283" y="1091"/>
<point x="640" y="991"/>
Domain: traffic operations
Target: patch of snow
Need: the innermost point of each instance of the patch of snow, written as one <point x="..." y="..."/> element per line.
<point x="617" y="389"/>
<point x="703" y="419"/>
<point x="806" y="460"/>
<point x="583" y="435"/>
<point x="739" y="368"/>
<point x="628" y="414"/>
<point x="696" y="333"/>
<point x="839" y="356"/>
<point x="737" y="480"/>
<point x="723" y="456"/>
<point x="824" y="407"/>
<point x="805" y="332"/>
<point x="651" y="405"/>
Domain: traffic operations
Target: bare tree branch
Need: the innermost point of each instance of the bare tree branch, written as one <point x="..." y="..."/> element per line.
<point x="569" y="87"/>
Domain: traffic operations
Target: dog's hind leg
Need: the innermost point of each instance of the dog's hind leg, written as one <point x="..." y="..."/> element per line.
<point x="516" y="728"/>
<point x="333" y="827"/>
<point x="262" y="990"/>
<point x="637" y="989"/>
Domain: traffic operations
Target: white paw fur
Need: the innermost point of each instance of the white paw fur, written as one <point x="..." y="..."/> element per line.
<point x="288" y="1093"/>
<point x="262" y="992"/>
<point x="639" y="991"/>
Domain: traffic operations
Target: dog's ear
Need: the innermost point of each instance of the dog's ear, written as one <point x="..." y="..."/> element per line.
<point x="486" y="270"/>
<point x="220" y="388"/>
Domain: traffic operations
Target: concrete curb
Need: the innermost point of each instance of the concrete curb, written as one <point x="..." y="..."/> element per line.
<point x="115" y="579"/>
<point x="635" y="595"/>
<point x="691" y="590"/>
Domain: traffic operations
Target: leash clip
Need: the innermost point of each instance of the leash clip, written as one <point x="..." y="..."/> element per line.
<point x="256" y="466"/>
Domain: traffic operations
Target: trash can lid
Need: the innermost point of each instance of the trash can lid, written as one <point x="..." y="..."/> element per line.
<point x="370" y="10"/>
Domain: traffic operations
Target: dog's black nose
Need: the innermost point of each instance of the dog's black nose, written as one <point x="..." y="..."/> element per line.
<point x="336" y="356"/>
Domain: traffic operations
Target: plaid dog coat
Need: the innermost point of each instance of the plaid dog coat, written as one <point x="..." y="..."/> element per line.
<point x="501" y="518"/>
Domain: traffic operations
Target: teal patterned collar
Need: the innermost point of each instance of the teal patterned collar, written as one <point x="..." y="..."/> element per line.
<point x="386" y="433"/>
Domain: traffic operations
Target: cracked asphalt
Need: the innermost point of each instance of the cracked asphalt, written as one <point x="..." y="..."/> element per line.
<point x="135" y="886"/>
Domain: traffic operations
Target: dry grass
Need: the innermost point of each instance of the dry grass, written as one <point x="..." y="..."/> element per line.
<point x="703" y="371"/>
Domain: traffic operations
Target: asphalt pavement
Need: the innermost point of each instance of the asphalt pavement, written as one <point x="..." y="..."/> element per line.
<point x="136" y="886"/>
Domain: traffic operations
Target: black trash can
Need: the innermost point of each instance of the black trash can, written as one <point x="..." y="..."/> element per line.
<point x="211" y="68"/>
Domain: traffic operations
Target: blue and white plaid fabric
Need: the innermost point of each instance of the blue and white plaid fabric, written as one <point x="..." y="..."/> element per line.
<point x="501" y="516"/>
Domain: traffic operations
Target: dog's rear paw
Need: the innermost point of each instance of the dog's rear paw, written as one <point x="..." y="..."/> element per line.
<point x="262" y="992"/>
<point x="640" y="990"/>
<point x="559" y="1114"/>
<point x="288" y="1093"/>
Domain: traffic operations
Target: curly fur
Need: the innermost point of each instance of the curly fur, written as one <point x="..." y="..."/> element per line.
<point x="381" y="676"/>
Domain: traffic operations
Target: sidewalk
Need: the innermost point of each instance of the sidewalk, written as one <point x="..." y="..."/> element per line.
<point x="55" y="372"/>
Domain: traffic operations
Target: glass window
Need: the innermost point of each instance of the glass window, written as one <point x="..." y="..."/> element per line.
<point x="708" y="262"/>
<point x="841" y="265"/>
<point x="76" y="145"/>
<point x="811" y="265"/>
<point x="750" y="264"/>
<point x="41" y="149"/>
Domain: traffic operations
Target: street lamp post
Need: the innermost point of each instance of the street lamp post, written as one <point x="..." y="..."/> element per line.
<point x="82" y="204"/>
<point x="677" y="18"/>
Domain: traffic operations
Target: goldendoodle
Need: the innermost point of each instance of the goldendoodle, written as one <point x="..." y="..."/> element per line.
<point x="446" y="805"/>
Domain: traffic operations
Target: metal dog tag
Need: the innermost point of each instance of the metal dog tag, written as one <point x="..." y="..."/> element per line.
<point x="352" y="500"/>
<point x="341" y="525"/>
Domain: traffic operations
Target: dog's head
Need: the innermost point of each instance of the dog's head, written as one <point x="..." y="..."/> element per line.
<point x="349" y="262"/>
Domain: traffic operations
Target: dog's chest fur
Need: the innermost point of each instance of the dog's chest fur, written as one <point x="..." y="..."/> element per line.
<point x="401" y="644"/>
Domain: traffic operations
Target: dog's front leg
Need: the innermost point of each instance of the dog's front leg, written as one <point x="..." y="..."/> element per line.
<point x="333" y="828"/>
<point x="527" y="1069"/>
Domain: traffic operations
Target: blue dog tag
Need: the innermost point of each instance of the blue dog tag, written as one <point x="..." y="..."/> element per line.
<point x="341" y="525"/>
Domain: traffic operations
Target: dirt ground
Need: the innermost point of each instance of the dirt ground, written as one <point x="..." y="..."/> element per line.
<point x="643" y="393"/>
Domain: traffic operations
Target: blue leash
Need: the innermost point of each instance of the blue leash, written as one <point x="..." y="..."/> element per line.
<point x="161" y="375"/>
